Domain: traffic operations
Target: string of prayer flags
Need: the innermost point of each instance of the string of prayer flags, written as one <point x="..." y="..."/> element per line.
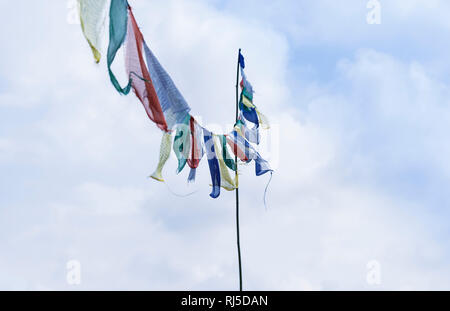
<point x="166" y="106"/>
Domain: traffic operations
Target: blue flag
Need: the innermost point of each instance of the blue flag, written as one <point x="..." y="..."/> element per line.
<point x="241" y="60"/>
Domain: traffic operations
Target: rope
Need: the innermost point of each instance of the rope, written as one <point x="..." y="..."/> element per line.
<point x="265" y="191"/>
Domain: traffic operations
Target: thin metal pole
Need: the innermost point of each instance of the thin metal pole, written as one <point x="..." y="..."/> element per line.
<point x="237" y="181"/>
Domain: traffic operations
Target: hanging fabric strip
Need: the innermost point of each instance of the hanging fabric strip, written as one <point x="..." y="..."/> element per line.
<point x="261" y="166"/>
<point x="118" y="21"/>
<point x="187" y="139"/>
<point x="92" y="18"/>
<point x="199" y="139"/>
<point x="226" y="181"/>
<point x="241" y="60"/>
<point x="135" y="64"/>
<point x="192" y="174"/>
<point x="229" y="161"/>
<point x="196" y="153"/>
<point x="243" y="144"/>
<point x="194" y="159"/>
<point x="263" y="121"/>
<point x="237" y="139"/>
<point x="178" y="148"/>
<point x="245" y="84"/>
<point x="251" y="134"/>
<point x="246" y="101"/>
<point x="166" y="145"/>
<point x="213" y="163"/>
<point x="181" y="144"/>
<point x="248" y="95"/>
<point x="237" y="150"/>
<point x="172" y="102"/>
<point x="249" y="114"/>
<point x="242" y="128"/>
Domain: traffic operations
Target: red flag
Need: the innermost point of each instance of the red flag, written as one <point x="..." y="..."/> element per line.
<point x="141" y="80"/>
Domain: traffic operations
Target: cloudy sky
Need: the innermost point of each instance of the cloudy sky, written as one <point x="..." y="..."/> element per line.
<point x="360" y="115"/>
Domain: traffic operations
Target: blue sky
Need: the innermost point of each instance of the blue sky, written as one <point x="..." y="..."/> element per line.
<point x="360" y="117"/>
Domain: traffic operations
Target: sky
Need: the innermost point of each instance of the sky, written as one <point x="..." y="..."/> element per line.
<point x="359" y="112"/>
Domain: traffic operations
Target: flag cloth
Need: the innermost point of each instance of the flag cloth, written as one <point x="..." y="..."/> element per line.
<point x="197" y="152"/>
<point x="226" y="181"/>
<point x="244" y="150"/>
<point x="142" y="84"/>
<point x="213" y="163"/>
<point x="241" y="60"/>
<point x="92" y="19"/>
<point x="118" y="21"/>
<point x="248" y="111"/>
<point x="181" y="144"/>
<point x="245" y="84"/>
<point x="229" y="161"/>
<point x="246" y="106"/>
<point x="263" y="121"/>
<point x="173" y="104"/>
<point x="246" y="101"/>
<point x="250" y="134"/>
<point x="250" y="115"/>
<point x="164" y="153"/>
<point x="237" y="150"/>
